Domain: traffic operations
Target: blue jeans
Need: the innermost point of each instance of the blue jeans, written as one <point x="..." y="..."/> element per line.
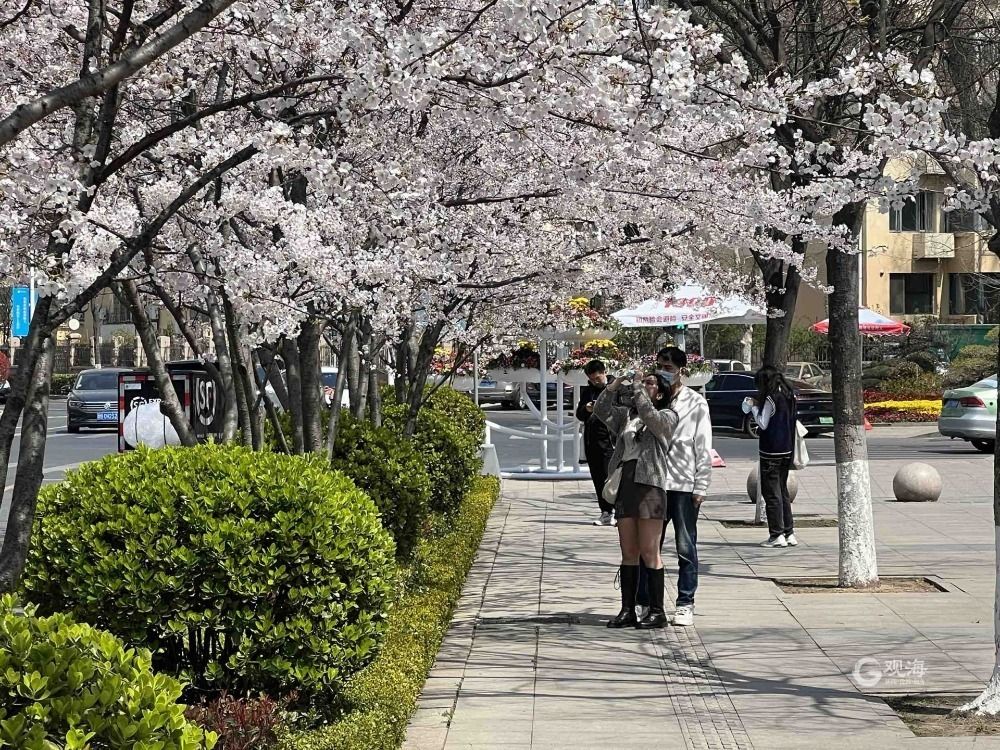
<point x="680" y="510"/>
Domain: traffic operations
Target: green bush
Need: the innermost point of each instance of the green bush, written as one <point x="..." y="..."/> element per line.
<point x="461" y="410"/>
<point x="973" y="363"/>
<point x="67" y="685"/>
<point x="62" y="384"/>
<point x="924" y="385"/>
<point x="451" y="454"/>
<point x="391" y="471"/>
<point x="240" y="571"/>
<point x="379" y="700"/>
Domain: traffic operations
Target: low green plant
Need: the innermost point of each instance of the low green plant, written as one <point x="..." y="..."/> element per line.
<point x="973" y="363"/>
<point x="462" y="411"/>
<point x="62" y="384"/>
<point x="67" y="685"/>
<point x="450" y="453"/>
<point x="391" y="471"/>
<point x="379" y="700"/>
<point x="241" y="572"/>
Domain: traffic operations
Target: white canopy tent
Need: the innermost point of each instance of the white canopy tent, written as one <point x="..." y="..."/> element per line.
<point x="690" y="305"/>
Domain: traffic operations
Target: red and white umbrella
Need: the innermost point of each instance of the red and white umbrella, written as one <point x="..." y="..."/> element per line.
<point x="870" y="323"/>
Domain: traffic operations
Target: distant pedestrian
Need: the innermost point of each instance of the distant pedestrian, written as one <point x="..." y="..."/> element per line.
<point x="774" y="411"/>
<point x="598" y="445"/>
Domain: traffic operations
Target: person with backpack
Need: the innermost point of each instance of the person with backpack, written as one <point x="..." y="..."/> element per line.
<point x="774" y="411"/>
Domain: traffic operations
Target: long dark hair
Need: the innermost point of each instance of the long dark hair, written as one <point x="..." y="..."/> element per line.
<point x="770" y="382"/>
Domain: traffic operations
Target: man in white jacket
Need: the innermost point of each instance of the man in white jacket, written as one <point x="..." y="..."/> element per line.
<point x="688" y="475"/>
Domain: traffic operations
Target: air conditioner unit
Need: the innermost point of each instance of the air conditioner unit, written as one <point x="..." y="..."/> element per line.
<point x="933" y="245"/>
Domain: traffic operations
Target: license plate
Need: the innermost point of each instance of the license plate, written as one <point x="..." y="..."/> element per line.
<point x="951" y="403"/>
<point x="107" y="416"/>
<point x="826" y="420"/>
<point x="487" y="384"/>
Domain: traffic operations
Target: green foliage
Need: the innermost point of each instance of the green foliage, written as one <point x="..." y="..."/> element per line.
<point x="805" y="345"/>
<point x="973" y="363"/>
<point x="61" y="384"/>
<point x="926" y="385"/>
<point x="240" y="571"/>
<point x="391" y="471"/>
<point x="68" y="685"/>
<point x="380" y="698"/>
<point x="881" y="373"/>
<point x="451" y="454"/>
<point x="462" y="410"/>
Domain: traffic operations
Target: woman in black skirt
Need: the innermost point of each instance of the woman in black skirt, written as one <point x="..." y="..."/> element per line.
<point x="638" y="414"/>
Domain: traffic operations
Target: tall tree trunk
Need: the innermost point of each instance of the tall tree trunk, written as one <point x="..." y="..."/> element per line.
<point x="359" y="404"/>
<point x="782" y="282"/>
<point x="858" y="565"/>
<point x="347" y="343"/>
<point x="170" y="405"/>
<point x="30" y="463"/>
<point x="420" y="370"/>
<point x="353" y="374"/>
<point x="272" y="414"/>
<point x="244" y="390"/>
<point x="230" y="418"/>
<point x="266" y="359"/>
<point x="293" y="377"/>
<point x="312" y="386"/>
<point x="374" y="398"/>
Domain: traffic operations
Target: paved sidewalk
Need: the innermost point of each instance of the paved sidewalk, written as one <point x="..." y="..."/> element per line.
<point x="528" y="662"/>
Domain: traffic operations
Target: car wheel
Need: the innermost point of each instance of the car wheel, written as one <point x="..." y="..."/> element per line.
<point x="750" y="426"/>
<point x="984" y="446"/>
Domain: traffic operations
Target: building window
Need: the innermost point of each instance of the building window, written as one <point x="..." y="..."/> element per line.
<point x="119" y="314"/>
<point x="917" y="214"/>
<point x="911" y="294"/>
<point x="974" y="294"/>
<point x="963" y="220"/>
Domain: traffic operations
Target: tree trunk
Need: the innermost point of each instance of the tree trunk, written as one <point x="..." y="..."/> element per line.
<point x="359" y="404"/>
<point x="858" y="566"/>
<point x="170" y="405"/>
<point x="244" y="390"/>
<point x="272" y="414"/>
<point x="374" y="398"/>
<point x="293" y="376"/>
<point x="419" y="372"/>
<point x="312" y="386"/>
<point x="30" y="464"/>
<point x="781" y="282"/>
<point x="347" y="342"/>
<point x="351" y="369"/>
<point x="267" y="361"/>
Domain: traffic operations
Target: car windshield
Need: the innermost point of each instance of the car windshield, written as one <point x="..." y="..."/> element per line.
<point x="990" y="382"/>
<point x="329" y="379"/>
<point x="97" y="381"/>
<point x="791" y="371"/>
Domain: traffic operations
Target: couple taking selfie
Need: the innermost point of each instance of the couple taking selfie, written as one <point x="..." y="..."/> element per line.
<point x="648" y="444"/>
<point x="658" y="473"/>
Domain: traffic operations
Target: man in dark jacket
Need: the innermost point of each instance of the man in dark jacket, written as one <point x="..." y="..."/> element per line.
<point x="597" y="443"/>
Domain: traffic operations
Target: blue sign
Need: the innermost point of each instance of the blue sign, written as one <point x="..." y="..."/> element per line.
<point x="20" y="311"/>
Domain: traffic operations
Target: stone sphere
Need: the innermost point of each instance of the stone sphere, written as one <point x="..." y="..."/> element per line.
<point x="793" y="484"/>
<point x="917" y="483"/>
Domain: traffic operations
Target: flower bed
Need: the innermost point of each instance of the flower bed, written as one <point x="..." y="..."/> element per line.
<point x="915" y="410"/>
<point x="603" y="349"/>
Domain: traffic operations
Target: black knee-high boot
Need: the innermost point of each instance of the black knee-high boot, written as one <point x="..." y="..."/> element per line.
<point x="656" y="618"/>
<point x="630" y="581"/>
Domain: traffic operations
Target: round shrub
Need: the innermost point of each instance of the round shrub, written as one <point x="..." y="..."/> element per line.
<point x="450" y="454"/>
<point x="64" y="684"/>
<point x="461" y="410"/>
<point x="240" y="571"/>
<point x="391" y="471"/>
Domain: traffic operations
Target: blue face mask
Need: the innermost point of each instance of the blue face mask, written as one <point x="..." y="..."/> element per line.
<point x="669" y="376"/>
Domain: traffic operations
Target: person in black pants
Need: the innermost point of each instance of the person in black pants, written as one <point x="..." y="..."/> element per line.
<point x="597" y="443"/>
<point x="774" y="411"/>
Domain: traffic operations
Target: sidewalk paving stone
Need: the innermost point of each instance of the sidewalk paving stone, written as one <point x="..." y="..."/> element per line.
<point x="528" y="663"/>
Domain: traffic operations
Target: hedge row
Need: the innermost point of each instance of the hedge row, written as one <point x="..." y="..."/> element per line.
<point x="380" y="698"/>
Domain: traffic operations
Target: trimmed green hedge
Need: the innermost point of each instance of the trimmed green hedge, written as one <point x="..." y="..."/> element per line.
<point x="451" y="454"/>
<point x="391" y="471"/>
<point x="380" y="698"/>
<point x="67" y="685"/>
<point x="240" y="571"/>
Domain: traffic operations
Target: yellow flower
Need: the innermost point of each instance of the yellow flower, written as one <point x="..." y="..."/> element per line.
<point x="926" y="405"/>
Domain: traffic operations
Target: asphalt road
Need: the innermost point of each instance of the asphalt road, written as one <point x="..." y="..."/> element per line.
<point x="883" y="443"/>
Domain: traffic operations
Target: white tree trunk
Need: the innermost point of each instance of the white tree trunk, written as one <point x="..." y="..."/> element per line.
<point x="988" y="701"/>
<point x="858" y="564"/>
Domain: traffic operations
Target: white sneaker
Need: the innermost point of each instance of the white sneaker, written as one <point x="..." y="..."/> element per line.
<point x="791" y="540"/>
<point x="775" y="541"/>
<point x="606" y="519"/>
<point x="683" y="616"/>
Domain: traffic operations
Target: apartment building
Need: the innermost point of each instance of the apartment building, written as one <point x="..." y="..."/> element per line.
<point x="919" y="261"/>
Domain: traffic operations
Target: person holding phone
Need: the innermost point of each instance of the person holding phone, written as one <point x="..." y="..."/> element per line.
<point x="774" y="411"/>
<point x="598" y="445"/>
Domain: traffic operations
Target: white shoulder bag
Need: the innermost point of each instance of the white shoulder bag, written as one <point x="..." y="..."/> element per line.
<point x="800" y="457"/>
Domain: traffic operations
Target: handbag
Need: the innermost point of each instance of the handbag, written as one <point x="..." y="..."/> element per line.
<point x="800" y="457"/>
<point x="610" y="491"/>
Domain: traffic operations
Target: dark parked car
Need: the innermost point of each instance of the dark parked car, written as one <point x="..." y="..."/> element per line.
<point x="534" y="389"/>
<point x="93" y="401"/>
<point x="726" y="391"/>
